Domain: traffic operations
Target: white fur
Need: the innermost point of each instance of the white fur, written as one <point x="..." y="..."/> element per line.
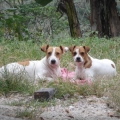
<point x="99" y="68"/>
<point x="41" y="69"/>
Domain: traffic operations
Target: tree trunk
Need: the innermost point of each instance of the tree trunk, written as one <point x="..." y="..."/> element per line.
<point x="72" y="18"/>
<point x="104" y="18"/>
<point x="114" y="19"/>
<point x="95" y="19"/>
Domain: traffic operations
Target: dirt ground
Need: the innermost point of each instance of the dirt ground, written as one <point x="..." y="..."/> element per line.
<point x="84" y="108"/>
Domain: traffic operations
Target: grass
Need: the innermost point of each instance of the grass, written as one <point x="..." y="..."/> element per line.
<point x="12" y="51"/>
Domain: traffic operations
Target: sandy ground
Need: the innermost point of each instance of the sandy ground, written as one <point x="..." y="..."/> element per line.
<point x="90" y="108"/>
<point x="84" y="108"/>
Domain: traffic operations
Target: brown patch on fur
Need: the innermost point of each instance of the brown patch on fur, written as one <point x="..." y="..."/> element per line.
<point x="88" y="63"/>
<point x="58" y="52"/>
<point x="87" y="48"/>
<point x="72" y="49"/>
<point x="83" y="51"/>
<point x="49" y="51"/>
<point x="24" y="63"/>
<point x="112" y="65"/>
<point x="62" y="49"/>
<point x="44" y="48"/>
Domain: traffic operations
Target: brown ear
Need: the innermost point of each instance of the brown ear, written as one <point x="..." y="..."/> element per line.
<point x="63" y="49"/>
<point x="87" y="48"/>
<point x="44" y="48"/>
<point x="72" y="48"/>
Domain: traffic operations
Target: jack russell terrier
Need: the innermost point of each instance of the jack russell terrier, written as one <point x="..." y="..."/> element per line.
<point x="47" y="68"/>
<point x="91" y="68"/>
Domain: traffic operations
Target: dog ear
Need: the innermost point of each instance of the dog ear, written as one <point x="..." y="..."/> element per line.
<point x="71" y="48"/>
<point x="87" y="48"/>
<point x="63" y="49"/>
<point x="44" y="48"/>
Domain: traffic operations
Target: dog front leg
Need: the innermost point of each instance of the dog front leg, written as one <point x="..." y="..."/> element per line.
<point x="75" y="77"/>
<point x="89" y="76"/>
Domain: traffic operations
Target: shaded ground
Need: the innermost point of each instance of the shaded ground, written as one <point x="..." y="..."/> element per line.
<point x="3" y="117"/>
<point x="89" y="108"/>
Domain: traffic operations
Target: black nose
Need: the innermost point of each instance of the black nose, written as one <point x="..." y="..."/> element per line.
<point x="53" y="61"/>
<point x="78" y="59"/>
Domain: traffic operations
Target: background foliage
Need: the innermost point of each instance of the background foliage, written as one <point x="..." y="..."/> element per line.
<point x="26" y="20"/>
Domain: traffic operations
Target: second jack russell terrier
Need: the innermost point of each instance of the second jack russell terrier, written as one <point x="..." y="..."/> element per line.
<point x="91" y="68"/>
<point x="47" y="68"/>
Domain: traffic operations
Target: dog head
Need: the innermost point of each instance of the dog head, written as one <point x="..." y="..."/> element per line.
<point x="53" y="54"/>
<point x="80" y="55"/>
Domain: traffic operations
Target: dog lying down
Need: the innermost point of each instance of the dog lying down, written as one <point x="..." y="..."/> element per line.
<point x="89" y="68"/>
<point x="47" y="68"/>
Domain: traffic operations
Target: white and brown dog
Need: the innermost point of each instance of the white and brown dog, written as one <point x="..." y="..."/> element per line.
<point x="47" y="68"/>
<point x="91" y="68"/>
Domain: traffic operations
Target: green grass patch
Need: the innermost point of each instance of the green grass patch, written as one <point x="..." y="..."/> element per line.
<point x="12" y="84"/>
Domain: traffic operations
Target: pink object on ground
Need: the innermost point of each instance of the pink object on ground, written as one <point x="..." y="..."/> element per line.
<point x="68" y="76"/>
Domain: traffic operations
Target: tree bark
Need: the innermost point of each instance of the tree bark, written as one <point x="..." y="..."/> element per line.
<point x="114" y="19"/>
<point x="104" y="18"/>
<point x="73" y="19"/>
<point x="95" y="19"/>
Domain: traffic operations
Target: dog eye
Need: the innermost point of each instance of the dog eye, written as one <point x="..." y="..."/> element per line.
<point x="82" y="53"/>
<point x="49" y="53"/>
<point x="57" y="53"/>
<point x="74" y="53"/>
